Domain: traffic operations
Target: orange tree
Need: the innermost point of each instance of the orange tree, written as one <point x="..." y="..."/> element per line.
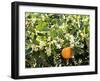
<point x="47" y="34"/>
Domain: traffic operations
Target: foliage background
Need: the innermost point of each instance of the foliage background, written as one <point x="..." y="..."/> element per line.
<point x="46" y="34"/>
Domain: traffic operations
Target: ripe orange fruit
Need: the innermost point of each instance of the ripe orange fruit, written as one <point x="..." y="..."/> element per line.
<point x="67" y="53"/>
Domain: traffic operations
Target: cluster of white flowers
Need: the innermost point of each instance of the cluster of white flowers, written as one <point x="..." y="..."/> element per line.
<point x="77" y="43"/>
<point x="72" y="42"/>
<point x="48" y="50"/>
<point x="43" y="17"/>
<point x="71" y="38"/>
<point x="33" y="20"/>
<point x="62" y="26"/>
<point x="42" y="44"/>
<point x="67" y="36"/>
<point x="53" y="42"/>
<point x="35" y="47"/>
<point x="60" y="43"/>
<point x="49" y="39"/>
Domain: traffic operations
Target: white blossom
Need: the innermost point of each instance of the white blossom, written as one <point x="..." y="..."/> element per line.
<point x="72" y="41"/>
<point x="48" y="51"/>
<point x="35" y="47"/>
<point x="61" y="40"/>
<point x="42" y="44"/>
<point x="58" y="46"/>
<point x="33" y="20"/>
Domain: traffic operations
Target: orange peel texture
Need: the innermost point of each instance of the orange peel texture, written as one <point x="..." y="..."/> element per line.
<point x="67" y="53"/>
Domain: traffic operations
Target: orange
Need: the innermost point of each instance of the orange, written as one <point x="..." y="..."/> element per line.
<point x="66" y="53"/>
